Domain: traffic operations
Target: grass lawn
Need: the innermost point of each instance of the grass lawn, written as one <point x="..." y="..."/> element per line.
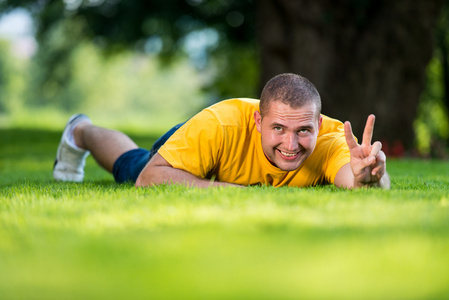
<point x="100" y="240"/>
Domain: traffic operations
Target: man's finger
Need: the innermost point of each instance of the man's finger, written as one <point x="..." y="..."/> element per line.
<point x="369" y="129"/>
<point x="350" y="140"/>
<point x="375" y="148"/>
<point x="378" y="170"/>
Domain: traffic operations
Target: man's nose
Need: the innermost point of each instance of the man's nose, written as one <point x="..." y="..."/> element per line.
<point x="291" y="141"/>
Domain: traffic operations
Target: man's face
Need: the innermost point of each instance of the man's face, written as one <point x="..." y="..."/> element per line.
<point x="288" y="134"/>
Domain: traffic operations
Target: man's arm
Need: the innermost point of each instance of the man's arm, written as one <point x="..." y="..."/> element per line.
<point x="159" y="171"/>
<point x="367" y="167"/>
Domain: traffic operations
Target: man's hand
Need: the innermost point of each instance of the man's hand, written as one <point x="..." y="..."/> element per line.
<point x="368" y="161"/>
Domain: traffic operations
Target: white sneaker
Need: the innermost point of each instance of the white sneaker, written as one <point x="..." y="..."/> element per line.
<point x="70" y="160"/>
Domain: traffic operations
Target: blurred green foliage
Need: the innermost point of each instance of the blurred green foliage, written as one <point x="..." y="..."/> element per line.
<point x="127" y="89"/>
<point x="432" y="124"/>
<point x="12" y="80"/>
<point x="165" y="28"/>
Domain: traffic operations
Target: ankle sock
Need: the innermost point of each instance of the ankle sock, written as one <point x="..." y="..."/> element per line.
<point x="69" y="137"/>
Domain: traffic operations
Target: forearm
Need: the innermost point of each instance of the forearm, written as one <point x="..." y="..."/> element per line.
<point x="159" y="171"/>
<point x="169" y="175"/>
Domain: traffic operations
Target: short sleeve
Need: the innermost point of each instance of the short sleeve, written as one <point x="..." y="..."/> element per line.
<point x="338" y="156"/>
<point x="196" y="146"/>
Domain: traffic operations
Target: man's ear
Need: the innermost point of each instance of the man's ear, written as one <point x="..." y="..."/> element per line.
<point x="320" y="121"/>
<point x="258" y="120"/>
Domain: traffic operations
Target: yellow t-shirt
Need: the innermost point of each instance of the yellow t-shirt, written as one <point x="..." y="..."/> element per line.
<point x="222" y="143"/>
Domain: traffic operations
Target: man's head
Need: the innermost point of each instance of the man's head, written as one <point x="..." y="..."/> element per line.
<point x="289" y="120"/>
<point x="291" y="89"/>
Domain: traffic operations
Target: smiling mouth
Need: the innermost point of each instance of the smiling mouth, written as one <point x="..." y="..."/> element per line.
<point x="288" y="154"/>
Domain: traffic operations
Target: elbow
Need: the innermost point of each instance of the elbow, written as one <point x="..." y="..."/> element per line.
<point x="140" y="182"/>
<point x="146" y="179"/>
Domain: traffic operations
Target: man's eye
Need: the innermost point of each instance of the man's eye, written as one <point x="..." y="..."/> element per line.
<point x="277" y="128"/>
<point x="303" y="130"/>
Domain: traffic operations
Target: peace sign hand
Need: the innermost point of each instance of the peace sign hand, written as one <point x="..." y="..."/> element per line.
<point x="368" y="161"/>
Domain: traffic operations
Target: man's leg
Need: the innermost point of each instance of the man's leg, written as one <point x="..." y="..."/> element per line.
<point x="112" y="150"/>
<point x="105" y="145"/>
<point x="79" y="139"/>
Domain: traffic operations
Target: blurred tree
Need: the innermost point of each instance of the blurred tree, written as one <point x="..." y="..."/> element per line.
<point x="432" y="124"/>
<point x="53" y="66"/>
<point x="442" y="34"/>
<point x="12" y="81"/>
<point x="365" y="56"/>
<point x="5" y="68"/>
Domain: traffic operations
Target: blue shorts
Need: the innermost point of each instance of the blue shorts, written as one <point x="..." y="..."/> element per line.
<point x="129" y="165"/>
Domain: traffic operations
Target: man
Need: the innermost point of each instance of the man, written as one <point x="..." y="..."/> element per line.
<point x="283" y="140"/>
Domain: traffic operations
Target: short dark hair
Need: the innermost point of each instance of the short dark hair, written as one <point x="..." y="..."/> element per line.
<point x="291" y="89"/>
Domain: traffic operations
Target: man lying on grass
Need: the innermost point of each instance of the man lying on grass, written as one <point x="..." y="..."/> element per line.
<point x="281" y="140"/>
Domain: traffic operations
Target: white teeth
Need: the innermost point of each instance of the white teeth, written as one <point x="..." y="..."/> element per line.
<point x="288" y="154"/>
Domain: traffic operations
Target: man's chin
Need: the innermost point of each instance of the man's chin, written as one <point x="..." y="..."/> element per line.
<point x="290" y="166"/>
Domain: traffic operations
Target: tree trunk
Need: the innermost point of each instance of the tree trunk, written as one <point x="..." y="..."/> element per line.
<point x="363" y="56"/>
<point x="442" y="34"/>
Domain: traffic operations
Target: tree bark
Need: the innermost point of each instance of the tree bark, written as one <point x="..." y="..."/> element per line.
<point x="363" y="56"/>
<point x="442" y="34"/>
